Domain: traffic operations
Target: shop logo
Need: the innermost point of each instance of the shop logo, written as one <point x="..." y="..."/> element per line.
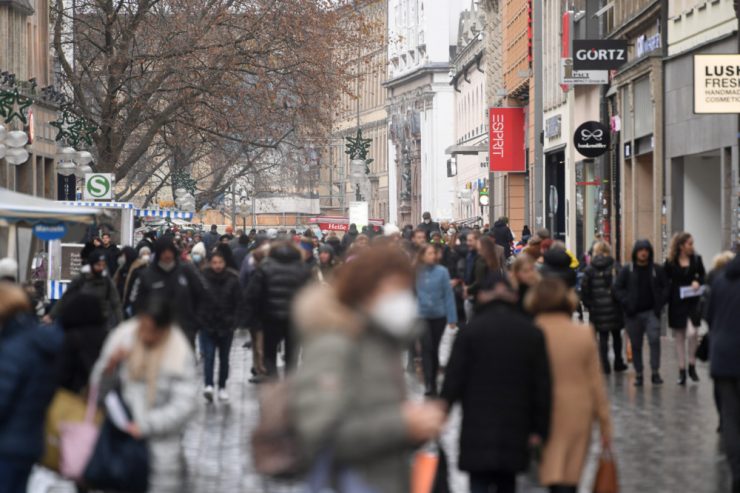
<point x="597" y="54"/>
<point x="592" y="139"/>
<point x="98" y="186"/>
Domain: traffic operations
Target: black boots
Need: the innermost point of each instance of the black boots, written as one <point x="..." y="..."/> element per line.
<point x="692" y="373"/>
<point x="681" y="377"/>
<point x="638" y="380"/>
<point x="620" y="366"/>
<point x="656" y="379"/>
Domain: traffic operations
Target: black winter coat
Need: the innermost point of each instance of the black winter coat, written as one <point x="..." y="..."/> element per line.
<point x="679" y="310"/>
<point x="597" y="294"/>
<point x="273" y="286"/>
<point x="626" y="288"/>
<point x="183" y="286"/>
<point x="503" y="236"/>
<point x="102" y="288"/>
<point x="723" y="314"/>
<point x="500" y="372"/>
<point x="222" y="309"/>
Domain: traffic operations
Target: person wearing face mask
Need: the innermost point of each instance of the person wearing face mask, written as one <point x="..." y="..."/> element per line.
<point x="97" y="283"/>
<point x="153" y="362"/>
<point x="349" y="396"/>
<point x="427" y="225"/>
<point x="126" y="257"/>
<point x="198" y="255"/>
<point x="181" y="283"/>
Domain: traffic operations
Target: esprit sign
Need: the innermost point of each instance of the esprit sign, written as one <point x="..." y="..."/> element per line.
<point x="717" y="83"/>
<point x="592" y="139"/>
<point x="506" y="139"/>
<point x="98" y="186"/>
<point x="597" y="54"/>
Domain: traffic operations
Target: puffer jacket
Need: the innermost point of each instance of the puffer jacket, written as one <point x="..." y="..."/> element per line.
<point x="348" y="393"/>
<point x="163" y="421"/>
<point x="273" y="286"/>
<point x="598" y="295"/>
<point x="221" y="312"/>
<point x="27" y="382"/>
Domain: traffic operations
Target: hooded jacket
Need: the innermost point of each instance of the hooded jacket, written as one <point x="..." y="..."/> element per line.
<point x="273" y="286"/>
<point x="27" y="383"/>
<point x="503" y="236"/>
<point x="626" y="288"/>
<point x="349" y="390"/>
<point x="598" y="295"/>
<point x="723" y="314"/>
<point x="99" y="286"/>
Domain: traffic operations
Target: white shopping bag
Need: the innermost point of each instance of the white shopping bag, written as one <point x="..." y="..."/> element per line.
<point x="445" y="345"/>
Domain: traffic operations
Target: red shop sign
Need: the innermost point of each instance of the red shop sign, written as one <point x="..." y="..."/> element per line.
<point x="506" y="139"/>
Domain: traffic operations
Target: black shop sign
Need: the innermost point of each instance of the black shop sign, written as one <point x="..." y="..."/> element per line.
<point x="599" y="54"/>
<point x="592" y="139"/>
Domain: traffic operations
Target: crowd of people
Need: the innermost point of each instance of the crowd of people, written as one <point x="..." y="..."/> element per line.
<point x="341" y="313"/>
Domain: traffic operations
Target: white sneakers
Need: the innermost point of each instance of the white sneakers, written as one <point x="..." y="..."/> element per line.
<point x="209" y="391"/>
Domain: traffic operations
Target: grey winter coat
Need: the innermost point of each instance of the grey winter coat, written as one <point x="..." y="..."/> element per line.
<point x="164" y="422"/>
<point x="349" y="391"/>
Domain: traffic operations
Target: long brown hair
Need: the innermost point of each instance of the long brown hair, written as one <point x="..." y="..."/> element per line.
<point x="355" y="281"/>
<point x="678" y="240"/>
<point x="487" y="250"/>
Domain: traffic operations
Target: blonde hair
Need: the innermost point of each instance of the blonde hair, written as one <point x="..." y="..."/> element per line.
<point x="551" y="295"/>
<point x="722" y="259"/>
<point x="602" y="248"/>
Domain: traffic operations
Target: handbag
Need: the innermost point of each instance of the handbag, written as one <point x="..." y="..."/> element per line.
<point x="702" y="351"/>
<point x="66" y="406"/>
<point x="606" y="475"/>
<point x="119" y="462"/>
<point x="77" y="441"/>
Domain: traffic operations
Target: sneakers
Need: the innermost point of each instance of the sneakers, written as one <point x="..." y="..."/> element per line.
<point x="656" y="379"/>
<point x="223" y="396"/>
<point x="208" y="393"/>
<point x="692" y="373"/>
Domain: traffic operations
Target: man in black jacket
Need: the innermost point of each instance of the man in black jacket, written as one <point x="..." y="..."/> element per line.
<point x="177" y="282"/>
<point x="499" y="371"/>
<point x="723" y="314"/>
<point x="427" y="225"/>
<point x="503" y="235"/>
<point x="642" y="290"/>
<point x="270" y="295"/>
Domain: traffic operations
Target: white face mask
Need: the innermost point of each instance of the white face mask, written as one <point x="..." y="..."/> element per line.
<point x="396" y="313"/>
<point x="121" y="261"/>
<point x="167" y="266"/>
<point x="197" y="258"/>
<point x="145" y="258"/>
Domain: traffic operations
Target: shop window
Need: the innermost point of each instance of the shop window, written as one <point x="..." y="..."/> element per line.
<point x="644" y="111"/>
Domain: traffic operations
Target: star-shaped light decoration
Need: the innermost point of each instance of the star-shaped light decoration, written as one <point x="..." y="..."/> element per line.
<point x="14" y="105"/>
<point x="82" y="130"/>
<point x="64" y="126"/>
<point x="357" y="147"/>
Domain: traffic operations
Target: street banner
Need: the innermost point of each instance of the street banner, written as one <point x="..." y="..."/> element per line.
<point x="506" y="144"/>
<point x="717" y="83"/>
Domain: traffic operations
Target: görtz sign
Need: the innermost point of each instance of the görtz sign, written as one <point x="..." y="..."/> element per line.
<point x="598" y="54"/>
<point x="717" y="83"/>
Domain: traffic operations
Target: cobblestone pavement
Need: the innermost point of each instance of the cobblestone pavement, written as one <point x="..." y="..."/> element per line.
<point x="665" y="439"/>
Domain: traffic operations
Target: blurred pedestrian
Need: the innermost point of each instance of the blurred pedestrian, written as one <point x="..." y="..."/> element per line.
<point x="503" y="235"/>
<point x="437" y="308"/>
<point x="526" y="234"/>
<point x="137" y="267"/>
<point x="558" y="263"/>
<point x="27" y="383"/>
<point x="98" y="283"/>
<point x="525" y="275"/>
<point x="349" y="395"/>
<point x="211" y="238"/>
<point x="684" y="269"/>
<point x="326" y="264"/>
<point x="604" y="312"/>
<point x="126" y="257"/>
<point x="502" y="416"/>
<point x="428" y="226"/>
<point x="579" y="393"/>
<point x="180" y="283"/>
<point x="199" y="255"/>
<point x="256" y="332"/>
<point x="221" y="316"/>
<point x="241" y="250"/>
<point x="269" y="296"/>
<point x="154" y="363"/>
<point x="9" y="270"/>
<point x="642" y="290"/>
<point x="349" y="237"/>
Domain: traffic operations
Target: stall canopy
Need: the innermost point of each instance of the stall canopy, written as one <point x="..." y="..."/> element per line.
<point x="16" y="207"/>
<point x="170" y="214"/>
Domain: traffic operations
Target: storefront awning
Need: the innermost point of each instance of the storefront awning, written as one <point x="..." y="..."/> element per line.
<point x="164" y="214"/>
<point x="455" y="150"/>
<point x="100" y="205"/>
<point x="16" y="207"/>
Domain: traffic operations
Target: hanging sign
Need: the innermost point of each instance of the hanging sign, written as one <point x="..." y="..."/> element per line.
<point x="599" y="54"/>
<point x="506" y="140"/>
<point x="717" y="83"/>
<point x="98" y="186"/>
<point x="592" y="139"/>
<point x="50" y="231"/>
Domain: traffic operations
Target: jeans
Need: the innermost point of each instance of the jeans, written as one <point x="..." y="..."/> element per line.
<point x="209" y="344"/>
<point x="637" y="326"/>
<point x="14" y="475"/>
<point x="493" y="482"/>
<point x="275" y="333"/>
<point x="604" y="347"/>
<point x="729" y="392"/>
<point x="430" y="352"/>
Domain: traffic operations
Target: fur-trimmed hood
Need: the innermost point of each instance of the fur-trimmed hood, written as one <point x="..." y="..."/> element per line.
<point x="316" y="311"/>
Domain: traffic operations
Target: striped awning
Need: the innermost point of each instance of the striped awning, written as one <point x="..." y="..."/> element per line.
<point x="55" y="289"/>
<point x="164" y="213"/>
<point x="105" y="205"/>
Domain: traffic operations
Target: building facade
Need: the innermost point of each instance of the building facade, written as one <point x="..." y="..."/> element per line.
<point x="421" y="106"/>
<point x="25" y="59"/>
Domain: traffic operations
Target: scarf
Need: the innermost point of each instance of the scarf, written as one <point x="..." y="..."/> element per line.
<point x="145" y="363"/>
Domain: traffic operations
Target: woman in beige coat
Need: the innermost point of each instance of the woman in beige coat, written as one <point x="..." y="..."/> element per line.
<point x="579" y="393"/>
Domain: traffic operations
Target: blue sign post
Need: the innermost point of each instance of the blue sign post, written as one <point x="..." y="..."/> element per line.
<point x="50" y="231"/>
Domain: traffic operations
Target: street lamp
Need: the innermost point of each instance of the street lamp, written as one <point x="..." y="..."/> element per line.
<point x="12" y="146"/>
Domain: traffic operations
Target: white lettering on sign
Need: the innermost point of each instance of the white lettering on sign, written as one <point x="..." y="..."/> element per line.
<point x="602" y="54"/>
<point x="497" y="136"/>
<point x="647" y="44"/>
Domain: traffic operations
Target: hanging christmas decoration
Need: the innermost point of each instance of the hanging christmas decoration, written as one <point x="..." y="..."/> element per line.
<point x="14" y="105"/>
<point x="72" y="129"/>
